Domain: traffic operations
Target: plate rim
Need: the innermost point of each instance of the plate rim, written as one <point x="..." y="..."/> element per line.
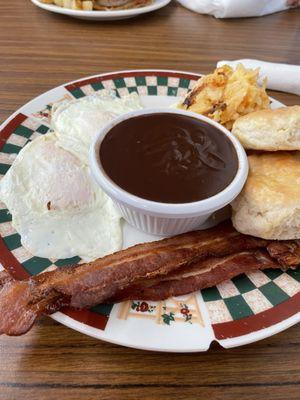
<point x="225" y="343"/>
<point x="101" y="14"/>
<point x="102" y="74"/>
<point x="88" y="330"/>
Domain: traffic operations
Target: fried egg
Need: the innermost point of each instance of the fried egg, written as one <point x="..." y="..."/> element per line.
<point x="56" y="207"/>
<point x="76" y="122"/>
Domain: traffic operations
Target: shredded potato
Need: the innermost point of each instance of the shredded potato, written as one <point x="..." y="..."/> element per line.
<point x="89" y="5"/>
<point x="227" y="94"/>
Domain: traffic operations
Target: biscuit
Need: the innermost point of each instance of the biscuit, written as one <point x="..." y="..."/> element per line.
<point x="269" y="204"/>
<point x="269" y="130"/>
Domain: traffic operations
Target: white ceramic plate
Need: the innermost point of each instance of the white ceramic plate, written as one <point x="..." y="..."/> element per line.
<point x="239" y="311"/>
<point x="103" y="15"/>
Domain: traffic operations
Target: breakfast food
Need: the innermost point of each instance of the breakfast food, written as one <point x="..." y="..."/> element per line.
<point x="56" y="207"/>
<point x="60" y="212"/>
<point x="120" y="4"/>
<point x="169" y="158"/>
<point x="270" y="130"/>
<point x="76" y="122"/>
<point x="85" y="285"/>
<point x="286" y="253"/>
<point x="268" y="206"/>
<point x="102" y="5"/>
<point x="199" y="275"/>
<point x="86" y="5"/>
<point x="227" y="94"/>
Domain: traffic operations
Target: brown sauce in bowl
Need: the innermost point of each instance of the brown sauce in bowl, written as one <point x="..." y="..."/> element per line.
<point x="168" y="158"/>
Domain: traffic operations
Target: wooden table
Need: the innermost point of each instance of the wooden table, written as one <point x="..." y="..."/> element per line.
<point x="40" y="50"/>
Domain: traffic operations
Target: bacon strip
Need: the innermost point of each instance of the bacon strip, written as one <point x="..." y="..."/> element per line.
<point x="151" y="271"/>
<point x="5" y="278"/>
<point x="287" y="253"/>
<point x="198" y="276"/>
<point x="85" y="285"/>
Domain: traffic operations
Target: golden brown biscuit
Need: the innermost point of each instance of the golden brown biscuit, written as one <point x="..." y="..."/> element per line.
<point x="270" y="130"/>
<point x="269" y="205"/>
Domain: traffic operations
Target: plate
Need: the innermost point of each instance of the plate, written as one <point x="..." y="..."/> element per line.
<point x="236" y="312"/>
<point x="103" y="15"/>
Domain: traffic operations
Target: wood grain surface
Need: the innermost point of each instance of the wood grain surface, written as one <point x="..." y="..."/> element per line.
<point x="40" y="50"/>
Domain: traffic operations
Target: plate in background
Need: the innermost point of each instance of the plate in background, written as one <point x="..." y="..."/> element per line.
<point x="239" y="311"/>
<point x="102" y="15"/>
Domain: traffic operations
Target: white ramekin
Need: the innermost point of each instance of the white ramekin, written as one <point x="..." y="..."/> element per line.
<point x="165" y="218"/>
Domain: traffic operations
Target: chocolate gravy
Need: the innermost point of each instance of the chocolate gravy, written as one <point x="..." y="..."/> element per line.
<point x="168" y="158"/>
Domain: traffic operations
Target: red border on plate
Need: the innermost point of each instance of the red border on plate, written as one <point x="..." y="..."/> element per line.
<point x="10" y="128"/>
<point x="87" y="317"/>
<point x="8" y="260"/>
<point x="15" y="269"/>
<point x="258" y="321"/>
<point x="10" y="263"/>
<point x="117" y="75"/>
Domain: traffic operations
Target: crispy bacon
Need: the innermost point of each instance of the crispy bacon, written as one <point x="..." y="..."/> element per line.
<point x="86" y="285"/>
<point x="152" y="271"/>
<point x="287" y="253"/>
<point x="4" y="278"/>
<point x="200" y="275"/>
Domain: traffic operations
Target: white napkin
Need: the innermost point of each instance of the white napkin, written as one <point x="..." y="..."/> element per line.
<point x="237" y="8"/>
<point x="282" y="77"/>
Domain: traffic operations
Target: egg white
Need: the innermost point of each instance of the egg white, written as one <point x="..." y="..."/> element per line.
<point x="78" y="121"/>
<point x="56" y="207"/>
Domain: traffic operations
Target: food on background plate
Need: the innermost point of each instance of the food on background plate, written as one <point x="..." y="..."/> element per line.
<point x="270" y="130"/>
<point x="227" y="94"/>
<point x="269" y="204"/>
<point x="110" y="5"/>
<point x="168" y="158"/>
<point x="86" y="5"/>
<point x="55" y="205"/>
<point x="76" y="122"/>
<point x="102" y="5"/>
<point x="85" y="285"/>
